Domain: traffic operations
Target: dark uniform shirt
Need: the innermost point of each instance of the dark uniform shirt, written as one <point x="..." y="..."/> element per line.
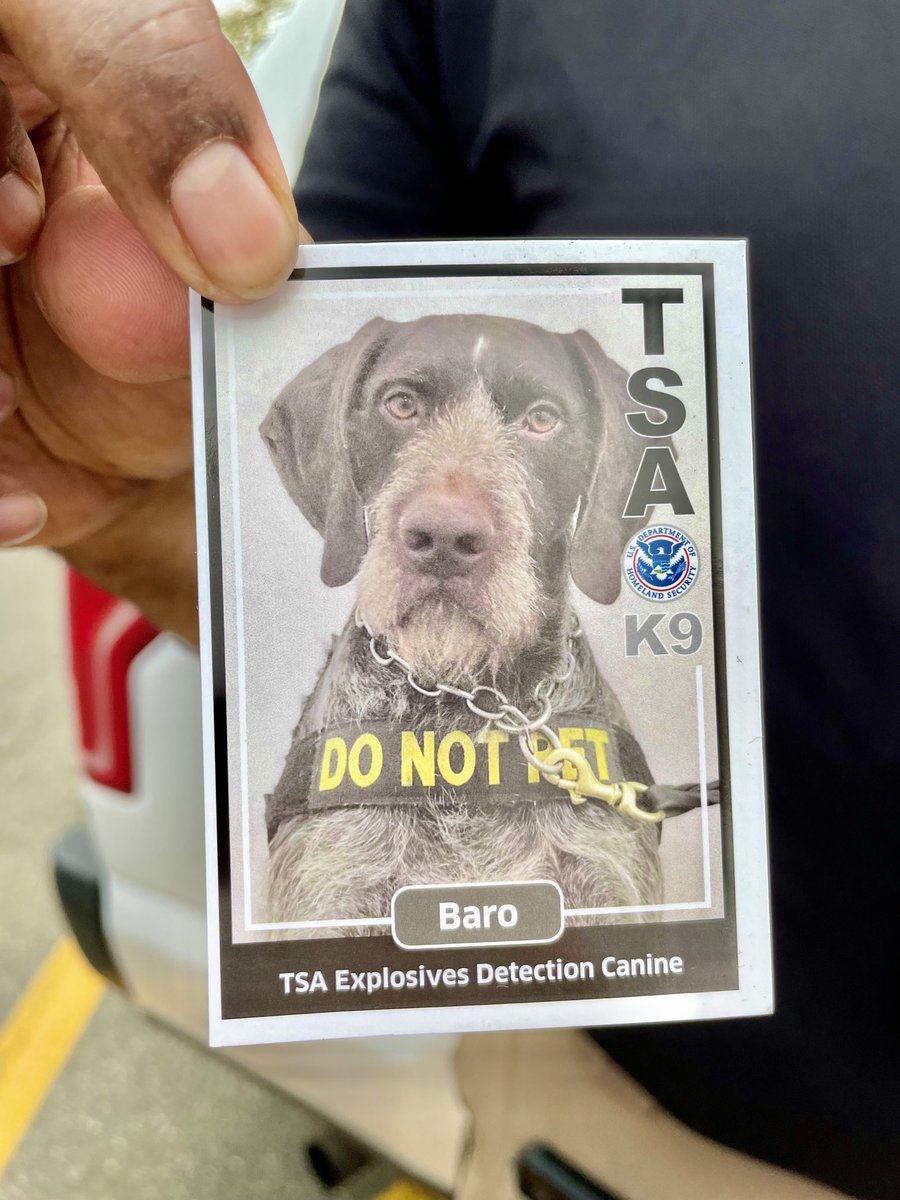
<point x="778" y="120"/>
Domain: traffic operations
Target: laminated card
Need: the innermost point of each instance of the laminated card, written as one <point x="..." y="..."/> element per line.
<point x="478" y="588"/>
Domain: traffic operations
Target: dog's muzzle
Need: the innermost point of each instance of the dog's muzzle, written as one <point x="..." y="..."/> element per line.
<point x="445" y="532"/>
<point x="449" y="577"/>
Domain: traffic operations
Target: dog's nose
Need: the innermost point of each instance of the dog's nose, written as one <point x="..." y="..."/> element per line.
<point x="445" y="533"/>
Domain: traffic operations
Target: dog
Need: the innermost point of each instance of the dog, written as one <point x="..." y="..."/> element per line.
<point x="461" y="468"/>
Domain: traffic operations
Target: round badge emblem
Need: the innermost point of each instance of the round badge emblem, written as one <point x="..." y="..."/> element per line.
<point x="661" y="563"/>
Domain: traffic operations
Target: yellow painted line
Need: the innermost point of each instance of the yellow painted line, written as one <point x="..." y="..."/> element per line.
<point x="39" y="1035"/>
<point x="404" y="1189"/>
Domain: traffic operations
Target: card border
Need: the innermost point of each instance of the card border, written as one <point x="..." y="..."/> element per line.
<point x="722" y="265"/>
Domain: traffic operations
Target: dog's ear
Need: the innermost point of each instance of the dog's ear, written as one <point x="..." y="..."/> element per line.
<point x="602" y="533"/>
<point x="306" y="432"/>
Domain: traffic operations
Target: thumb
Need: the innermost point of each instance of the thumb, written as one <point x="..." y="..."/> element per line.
<point x="163" y="109"/>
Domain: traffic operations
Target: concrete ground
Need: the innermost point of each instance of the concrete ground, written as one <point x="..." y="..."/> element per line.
<point x="138" y="1113"/>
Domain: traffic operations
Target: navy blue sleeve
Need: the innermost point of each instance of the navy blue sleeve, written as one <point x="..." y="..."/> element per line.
<point x="382" y="161"/>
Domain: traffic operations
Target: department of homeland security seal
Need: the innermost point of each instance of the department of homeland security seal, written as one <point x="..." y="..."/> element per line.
<point x="661" y="563"/>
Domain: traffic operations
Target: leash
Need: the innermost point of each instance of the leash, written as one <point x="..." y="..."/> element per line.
<point x="510" y="718"/>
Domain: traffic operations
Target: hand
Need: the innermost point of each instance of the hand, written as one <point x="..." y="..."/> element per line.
<point x="134" y="159"/>
<point x="558" y="1088"/>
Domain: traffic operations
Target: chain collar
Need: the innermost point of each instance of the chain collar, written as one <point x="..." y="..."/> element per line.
<point x="511" y="719"/>
<point x="506" y="716"/>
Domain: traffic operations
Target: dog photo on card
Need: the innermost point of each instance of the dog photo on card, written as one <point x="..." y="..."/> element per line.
<point x="478" y="601"/>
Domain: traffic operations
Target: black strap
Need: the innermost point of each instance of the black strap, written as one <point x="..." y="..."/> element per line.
<point x="675" y="799"/>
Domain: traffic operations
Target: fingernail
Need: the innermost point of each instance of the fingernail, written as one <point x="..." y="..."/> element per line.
<point x="240" y="234"/>
<point x="22" y="517"/>
<point x="7" y="394"/>
<point x="21" y="212"/>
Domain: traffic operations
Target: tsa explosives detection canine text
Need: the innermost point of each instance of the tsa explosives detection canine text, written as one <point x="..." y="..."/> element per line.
<point x="421" y="978"/>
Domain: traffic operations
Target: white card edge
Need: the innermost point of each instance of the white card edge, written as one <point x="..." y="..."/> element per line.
<point x="755" y="993"/>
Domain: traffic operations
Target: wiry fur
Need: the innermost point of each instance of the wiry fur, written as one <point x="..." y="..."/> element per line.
<point x="507" y="628"/>
<point x="349" y="862"/>
<point x="495" y="618"/>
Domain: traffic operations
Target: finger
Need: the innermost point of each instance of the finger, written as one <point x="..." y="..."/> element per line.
<point x="21" y="190"/>
<point x="82" y="417"/>
<point x="163" y="109"/>
<point x="22" y="513"/>
<point x="46" y="502"/>
<point x="107" y="295"/>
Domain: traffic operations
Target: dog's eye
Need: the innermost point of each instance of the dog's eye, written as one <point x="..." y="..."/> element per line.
<point x="401" y="405"/>
<point x="543" y="418"/>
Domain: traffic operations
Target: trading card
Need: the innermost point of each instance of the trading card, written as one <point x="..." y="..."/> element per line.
<point x="479" y="623"/>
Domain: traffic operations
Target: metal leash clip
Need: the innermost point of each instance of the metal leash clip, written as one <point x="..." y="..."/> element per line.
<point x="585" y="786"/>
<point x="622" y="796"/>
